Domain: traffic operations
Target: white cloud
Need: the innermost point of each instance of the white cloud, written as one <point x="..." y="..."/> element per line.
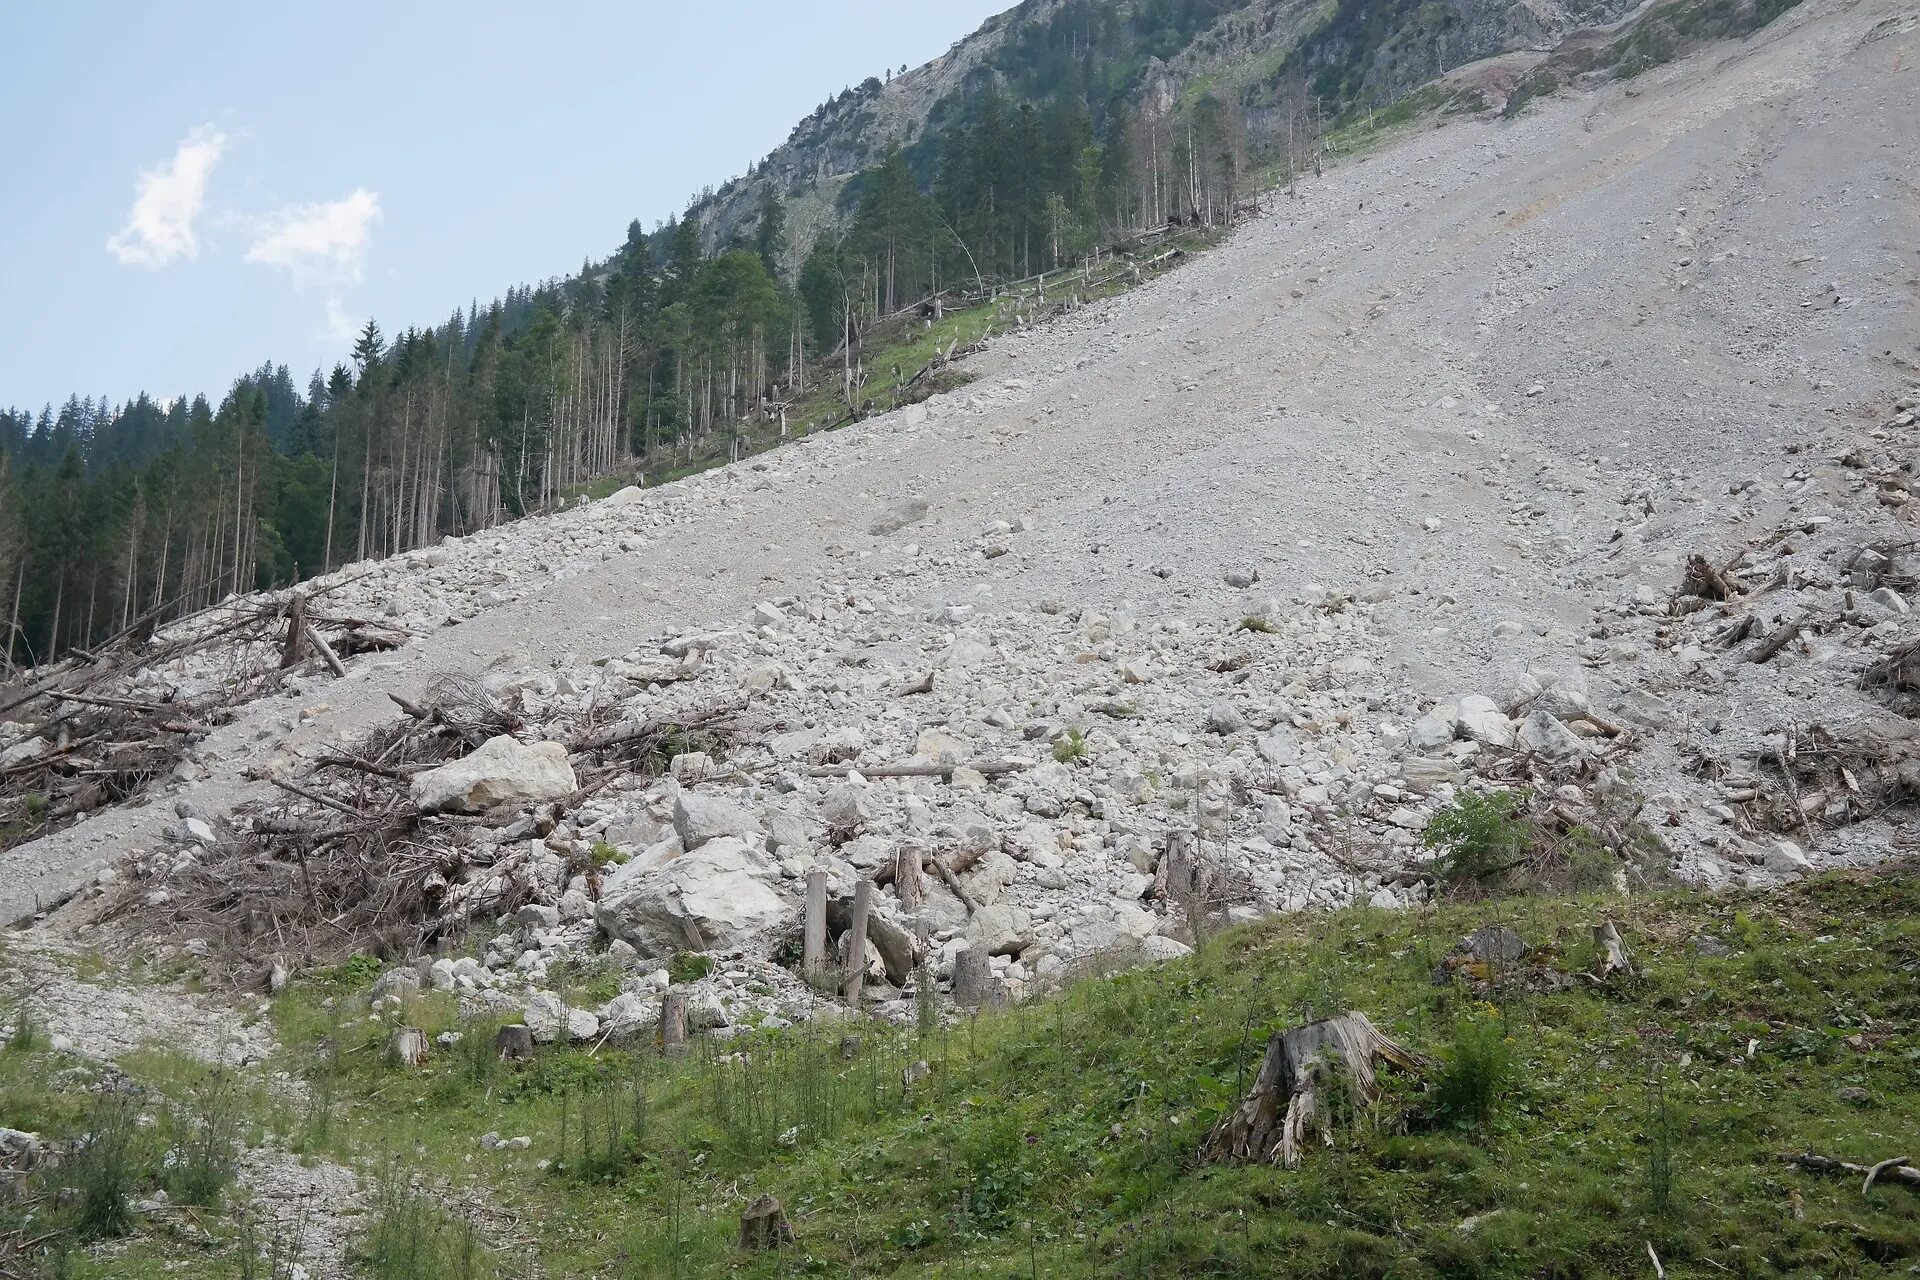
<point x="326" y="241"/>
<point x="165" y="203"/>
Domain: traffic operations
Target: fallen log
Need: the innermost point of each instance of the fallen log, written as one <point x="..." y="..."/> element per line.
<point x="1898" y="1169"/>
<point x="1301" y="1072"/>
<point x="986" y="769"/>
<point x="953" y="882"/>
<point x="1776" y="642"/>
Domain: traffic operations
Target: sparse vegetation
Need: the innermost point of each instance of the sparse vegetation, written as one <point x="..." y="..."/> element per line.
<point x="1480" y="840"/>
<point x="1070" y="747"/>
<point x="1059" y="1137"/>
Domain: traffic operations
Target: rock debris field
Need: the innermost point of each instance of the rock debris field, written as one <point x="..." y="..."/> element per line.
<point x="1573" y="453"/>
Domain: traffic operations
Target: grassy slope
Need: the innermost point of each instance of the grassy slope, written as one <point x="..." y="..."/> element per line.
<point x="1058" y="1139"/>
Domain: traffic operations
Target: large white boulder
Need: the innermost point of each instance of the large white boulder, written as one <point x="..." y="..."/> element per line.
<point x="718" y="894"/>
<point x="1483" y="721"/>
<point x="501" y="771"/>
<point x="700" y="818"/>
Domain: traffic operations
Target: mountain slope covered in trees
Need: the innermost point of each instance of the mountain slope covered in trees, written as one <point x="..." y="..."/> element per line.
<point x="1059" y="128"/>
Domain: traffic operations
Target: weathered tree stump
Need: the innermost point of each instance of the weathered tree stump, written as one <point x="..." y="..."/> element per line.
<point x="295" y="647"/>
<point x="814" y="923"/>
<point x="974" y="985"/>
<point x="909" y="878"/>
<point x="1613" y="950"/>
<point x="409" y="1046"/>
<point x="764" y="1225"/>
<point x="514" y="1042"/>
<point x="1291" y="1097"/>
<point x="856" y="943"/>
<point x="673" y="1021"/>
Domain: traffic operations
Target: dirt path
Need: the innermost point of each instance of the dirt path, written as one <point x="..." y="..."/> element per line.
<point x="1450" y="368"/>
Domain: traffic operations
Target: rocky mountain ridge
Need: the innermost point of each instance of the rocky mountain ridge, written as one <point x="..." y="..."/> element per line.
<point x="1252" y="51"/>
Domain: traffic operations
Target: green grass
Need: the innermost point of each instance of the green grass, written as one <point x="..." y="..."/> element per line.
<point x="1564" y="1127"/>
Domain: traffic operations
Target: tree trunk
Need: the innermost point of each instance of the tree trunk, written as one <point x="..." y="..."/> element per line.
<point x="973" y="982"/>
<point x="291" y="652"/>
<point x="1293" y="1095"/>
<point x="909" y="878"/>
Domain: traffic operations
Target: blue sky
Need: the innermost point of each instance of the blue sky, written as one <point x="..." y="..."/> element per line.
<point x="196" y="188"/>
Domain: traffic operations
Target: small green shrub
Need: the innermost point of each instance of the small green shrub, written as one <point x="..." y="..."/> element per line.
<point x="689" y="966"/>
<point x="201" y="1164"/>
<point x="23" y="1033"/>
<point x="1070" y="747"/>
<point x="1480" y="840"/>
<point x="107" y="1167"/>
<point x="413" y="1238"/>
<point x="1478" y="1068"/>
<point x="1261" y="625"/>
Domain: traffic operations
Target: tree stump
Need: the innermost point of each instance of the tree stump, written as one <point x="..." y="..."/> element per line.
<point x="856" y="945"/>
<point x="973" y="982"/>
<point x="409" y="1046"/>
<point x="814" y="924"/>
<point x="514" y="1042"/>
<point x="673" y="1021"/>
<point x="295" y="647"/>
<point x="909" y="878"/>
<point x="1303" y="1071"/>
<point x="764" y="1225"/>
<point x="1613" y="951"/>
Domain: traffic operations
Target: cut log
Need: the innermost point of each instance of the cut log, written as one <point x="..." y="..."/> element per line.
<point x="856" y="943"/>
<point x="409" y="1046"/>
<point x="673" y="1022"/>
<point x="1705" y="579"/>
<point x="514" y="1042"/>
<point x="1289" y="1100"/>
<point x="1613" y="951"/>
<point x="985" y="768"/>
<point x="764" y="1226"/>
<point x="952" y="882"/>
<point x="1776" y="642"/>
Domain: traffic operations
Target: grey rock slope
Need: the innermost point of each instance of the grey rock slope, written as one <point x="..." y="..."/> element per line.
<point x="1498" y="380"/>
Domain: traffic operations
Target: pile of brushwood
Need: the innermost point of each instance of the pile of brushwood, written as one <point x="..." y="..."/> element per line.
<point x="101" y="725"/>
<point x="347" y="861"/>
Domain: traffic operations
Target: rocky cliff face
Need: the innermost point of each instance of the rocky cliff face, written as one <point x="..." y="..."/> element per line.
<point x="1342" y="51"/>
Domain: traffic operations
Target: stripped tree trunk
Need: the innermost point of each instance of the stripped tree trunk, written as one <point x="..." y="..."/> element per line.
<point x="1292" y="1097"/>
